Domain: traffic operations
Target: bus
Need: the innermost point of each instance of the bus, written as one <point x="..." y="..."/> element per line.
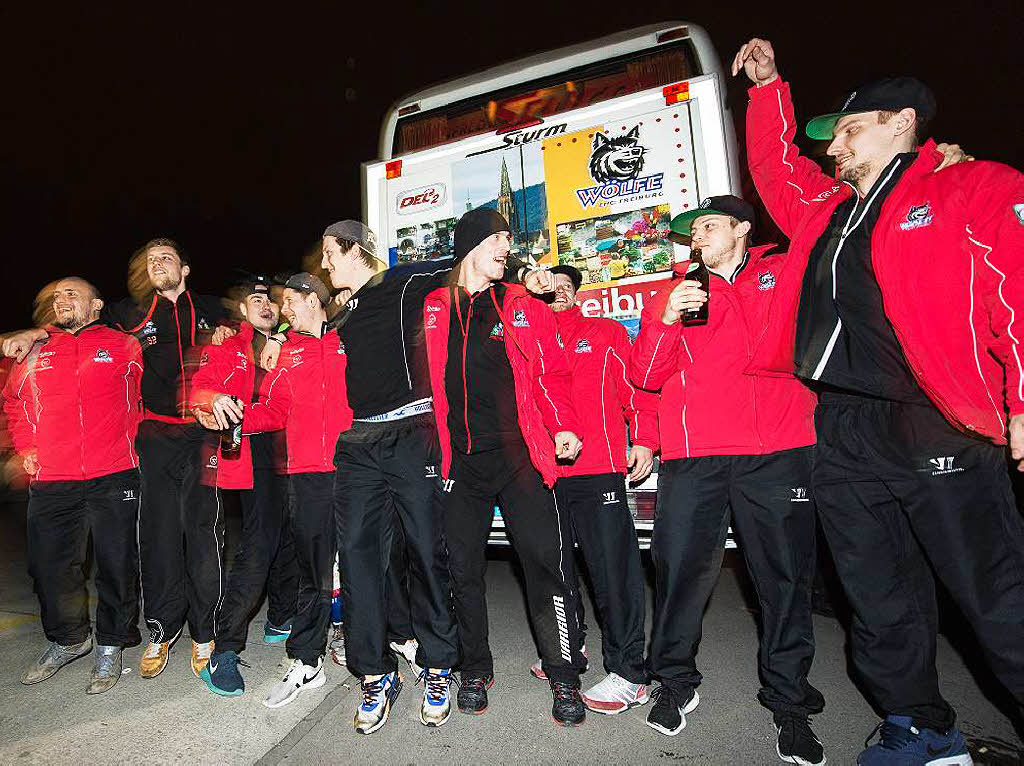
<point x="588" y="151"/>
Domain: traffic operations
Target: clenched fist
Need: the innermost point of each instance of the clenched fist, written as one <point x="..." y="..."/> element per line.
<point x="757" y="59"/>
<point x="686" y="296"/>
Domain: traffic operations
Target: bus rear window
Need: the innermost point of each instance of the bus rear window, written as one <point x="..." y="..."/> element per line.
<point x="546" y="97"/>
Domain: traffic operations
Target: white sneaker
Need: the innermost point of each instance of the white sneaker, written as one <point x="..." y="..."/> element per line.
<point x="298" y="678"/>
<point x="614" y="694"/>
<point x="378" y="696"/>
<point x="408" y="649"/>
<point x="437" y="701"/>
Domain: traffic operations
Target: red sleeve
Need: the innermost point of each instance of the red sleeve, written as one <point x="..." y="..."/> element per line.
<point x="20" y="407"/>
<point x="553" y="384"/>
<point x="270" y="413"/>
<point x="133" y="377"/>
<point x="655" y="353"/>
<point x="785" y="181"/>
<point x="216" y="366"/>
<point x="639" y="407"/>
<point x="995" y="209"/>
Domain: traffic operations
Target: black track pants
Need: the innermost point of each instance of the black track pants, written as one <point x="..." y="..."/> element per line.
<point x="541" y="534"/>
<point x="265" y="539"/>
<point x="382" y="484"/>
<point x="61" y="516"/>
<point x="902" y="494"/>
<point x="181" y="529"/>
<point x="773" y="516"/>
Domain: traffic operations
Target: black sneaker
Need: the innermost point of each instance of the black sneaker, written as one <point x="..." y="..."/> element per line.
<point x="472" y="697"/>
<point x="667" y="715"/>
<point x="567" y="708"/>
<point x="796" y="742"/>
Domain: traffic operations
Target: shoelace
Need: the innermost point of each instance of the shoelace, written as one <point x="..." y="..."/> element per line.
<point x="664" y="691"/>
<point x="105" y="663"/>
<point x="372" y="690"/>
<point x="794" y="724"/>
<point x="891" y="736"/>
<point x="295" y="665"/>
<point x="153" y="650"/>
<point x="203" y="651"/>
<point x="472" y="684"/>
<point x="436" y="685"/>
<point x="563" y="692"/>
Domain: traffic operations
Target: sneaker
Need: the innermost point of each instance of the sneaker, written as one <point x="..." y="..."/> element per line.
<point x="796" y="742"/>
<point x="378" y="697"/>
<point x="200" y="656"/>
<point x="900" y="743"/>
<point x="298" y="678"/>
<point x="154" y="656"/>
<point x="437" y="702"/>
<point x="275" y="634"/>
<point x="408" y="649"/>
<point x="337" y="645"/>
<point x="106" y="671"/>
<point x="667" y="715"/>
<point x="614" y="694"/>
<point x="537" y="671"/>
<point x="53" y="659"/>
<point x="472" y="696"/>
<point x="567" y="708"/>
<point x="221" y="674"/>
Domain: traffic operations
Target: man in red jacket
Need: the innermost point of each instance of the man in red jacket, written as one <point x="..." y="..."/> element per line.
<point x="73" y="408"/>
<point x="900" y="304"/>
<point x="730" y="444"/>
<point x="592" y="490"/>
<point x="304" y="395"/>
<point x="264" y="555"/>
<point x="502" y="403"/>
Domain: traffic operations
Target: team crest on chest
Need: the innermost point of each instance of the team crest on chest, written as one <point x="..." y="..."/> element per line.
<point x="519" y="319"/>
<point x="918" y="216"/>
<point x="765" y="280"/>
<point x="583" y="346"/>
<point x="498" y="331"/>
<point x="102" y="355"/>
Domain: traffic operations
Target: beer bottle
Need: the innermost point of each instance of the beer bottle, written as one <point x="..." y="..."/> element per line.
<point x="695" y="271"/>
<point x="231" y="439"/>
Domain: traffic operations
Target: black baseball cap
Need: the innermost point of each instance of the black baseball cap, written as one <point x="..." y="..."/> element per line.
<point x="726" y="204"/>
<point x="258" y="284"/>
<point x="888" y="95"/>
<point x="570" y="271"/>
<point x="354" y="231"/>
<point x="308" y="283"/>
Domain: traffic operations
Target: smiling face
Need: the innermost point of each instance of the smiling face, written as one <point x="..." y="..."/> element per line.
<point x="565" y="293"/>
<point x="342" y="265"/>
<point x="302" y="310"/>
<point x="488" y="258"/>
<point x="862" y="144"/>
<point x="75" y="304"/>
<point x="259" y="311"/>
<point x="164" y="267"/>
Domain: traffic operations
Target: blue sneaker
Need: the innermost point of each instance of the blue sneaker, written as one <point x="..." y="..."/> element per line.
<point x="901" y="744"/>
<point x="378" y="697"/>
<point x="437" y="698"/>
<point x="275" y="634"/>
<point x="221" y="674"/>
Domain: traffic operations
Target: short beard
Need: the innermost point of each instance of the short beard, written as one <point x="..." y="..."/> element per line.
<point x="165" y="282"/>
<point x="72" y="323"/>
<point x="856" y="174"/>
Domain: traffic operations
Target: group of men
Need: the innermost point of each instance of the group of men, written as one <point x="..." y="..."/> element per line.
<point x="870" y="377"/>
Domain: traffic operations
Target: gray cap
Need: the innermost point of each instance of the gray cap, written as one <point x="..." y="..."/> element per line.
<point x="307" y="283"/>
<point x="354" y="231"/>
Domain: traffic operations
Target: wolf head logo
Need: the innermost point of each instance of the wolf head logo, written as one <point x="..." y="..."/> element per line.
<point x="617" y="159"/>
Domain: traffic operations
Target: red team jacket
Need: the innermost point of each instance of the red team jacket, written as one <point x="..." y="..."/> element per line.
<point x="304" y="395"/>
<point x="947" y="254"/>
<point x="76" y="401"/>
<point x="597" y="352"/>
<point x="229" y="369"/>
<point x="708" y="405"/>
<point x="542" y="382"/>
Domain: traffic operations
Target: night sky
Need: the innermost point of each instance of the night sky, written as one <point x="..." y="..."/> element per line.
<point x="240" y="132"/>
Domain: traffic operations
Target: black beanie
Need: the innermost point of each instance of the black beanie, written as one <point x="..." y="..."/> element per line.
<point x="474" y="227"/>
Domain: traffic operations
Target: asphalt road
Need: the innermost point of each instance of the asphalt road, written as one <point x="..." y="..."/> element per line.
<point x="174" y="719"/>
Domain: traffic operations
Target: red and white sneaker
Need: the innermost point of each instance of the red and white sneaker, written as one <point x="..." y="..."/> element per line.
<point x="538" y="672"/>
<point x="614" y="694"/>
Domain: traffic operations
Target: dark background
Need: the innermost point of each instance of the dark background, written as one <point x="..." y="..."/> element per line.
<point x="240" y="131"/>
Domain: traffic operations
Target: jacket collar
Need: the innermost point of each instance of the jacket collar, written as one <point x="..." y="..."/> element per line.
<point x="52" y="328"/>
<point x="568" y="318"/>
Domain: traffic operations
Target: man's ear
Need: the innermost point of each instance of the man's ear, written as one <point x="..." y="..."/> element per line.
<point x="905" y="120"/>
<point x="96" y="305"/>
<point x="185" y="270"/>
<point x="742" y="228"/>
<point x="241" y="309"/>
